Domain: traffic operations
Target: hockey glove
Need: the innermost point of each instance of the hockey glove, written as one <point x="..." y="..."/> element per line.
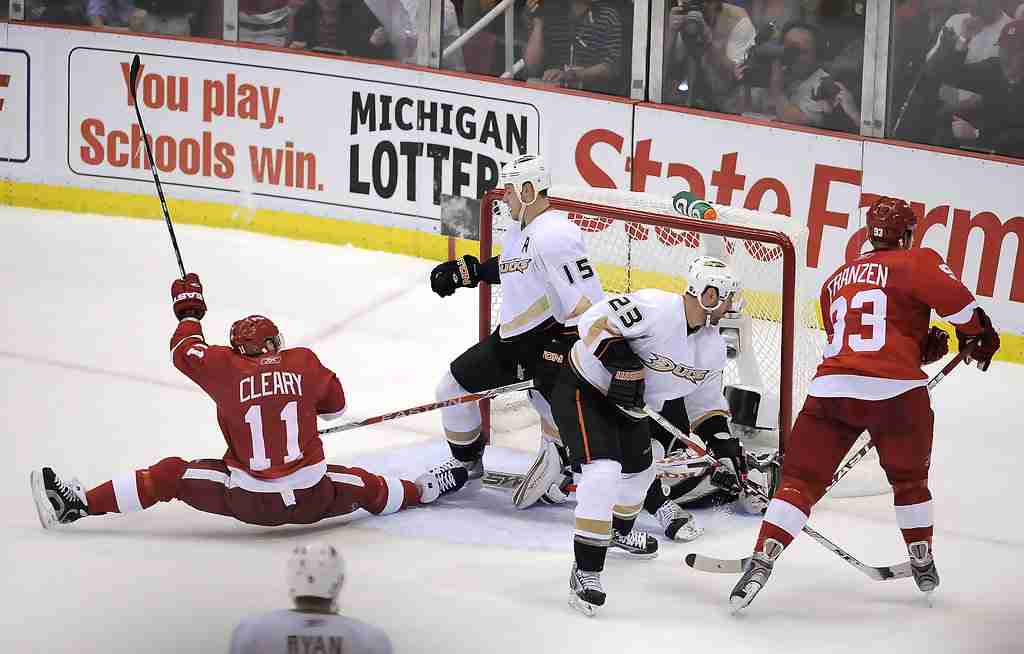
<point x="450" y="275"/>
<point x="935" y="345"/>
<point x="187" y="295"/>
<point x="725" y="477"/>
<point x="980" y="347"/>
<point x="626" y="388"/>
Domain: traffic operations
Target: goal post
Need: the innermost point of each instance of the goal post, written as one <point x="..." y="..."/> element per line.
<point x="638" y="240"/>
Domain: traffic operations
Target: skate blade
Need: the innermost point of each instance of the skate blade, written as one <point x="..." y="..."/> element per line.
<point x="586" y="608"/>
<point x="929" y="599"/>
<point x="688" y="534"/>
<point x="737" y="604"/>
<point x="47" y="516"/>
<point x="624" y="554"/>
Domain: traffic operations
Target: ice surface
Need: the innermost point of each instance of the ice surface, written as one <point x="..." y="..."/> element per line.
<point x="88" y="388"/>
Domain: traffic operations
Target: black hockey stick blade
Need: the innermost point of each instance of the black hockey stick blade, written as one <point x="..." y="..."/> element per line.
<point x="133" y="74"/>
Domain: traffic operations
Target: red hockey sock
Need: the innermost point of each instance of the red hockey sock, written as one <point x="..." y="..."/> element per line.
<point x="768" y="530"/>
<point x="101" y="499"/>
<point x="412" y="494"/>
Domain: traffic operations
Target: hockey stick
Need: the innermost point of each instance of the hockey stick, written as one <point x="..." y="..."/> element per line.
<point x="133" y="78"/>
<point x="423" y="408"/>
<point x="707" y="564"/>
<point x="736" y="566"/>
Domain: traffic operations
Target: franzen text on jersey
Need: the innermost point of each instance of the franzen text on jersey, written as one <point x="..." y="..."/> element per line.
<point x="269" y="383"/>
<point x="862" y="273"/>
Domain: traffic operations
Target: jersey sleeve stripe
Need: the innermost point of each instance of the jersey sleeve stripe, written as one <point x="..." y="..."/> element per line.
<point x="963" y="315"/>
<point x="536" y="310"/>
<point x="175" y="346"/>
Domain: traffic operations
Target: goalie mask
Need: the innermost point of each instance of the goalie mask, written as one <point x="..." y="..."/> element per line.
<point x="315" y="570"/>
<point x="711" y="272"/>
<point x="254" y="336"/>
<point x="527" y="169"/>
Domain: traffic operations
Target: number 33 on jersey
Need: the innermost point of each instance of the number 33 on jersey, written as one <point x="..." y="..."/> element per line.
<point x="875" y="310"/>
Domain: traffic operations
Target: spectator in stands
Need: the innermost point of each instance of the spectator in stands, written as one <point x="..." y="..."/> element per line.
<point x="976" y="31"/>
<point x="577" y="44"/>
<point x="116" y="14"/>
<point x="916" y="26"/>
<point x="66" y="12"/>
<point x="172" y="17"/>
<point x="263" y="21"/>
<point x="344" y="26"/>
<point x="707" y="42"/>
<point x="998" y="125"/>
<point x="800" y="91"/>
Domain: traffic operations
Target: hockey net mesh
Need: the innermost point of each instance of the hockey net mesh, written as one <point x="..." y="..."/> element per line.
<point x="629" y="256"/>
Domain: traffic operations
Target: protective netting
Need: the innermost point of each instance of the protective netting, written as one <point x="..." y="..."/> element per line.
<point x="629" y="256"/>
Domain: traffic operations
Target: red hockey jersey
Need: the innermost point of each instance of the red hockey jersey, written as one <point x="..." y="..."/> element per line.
<point x="267" y="408"/>
<point x="876" y="311"/>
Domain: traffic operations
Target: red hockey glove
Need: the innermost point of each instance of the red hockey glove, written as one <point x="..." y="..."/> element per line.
<point x="985" y="344"/>
<point x="187" y="295"/>
<point x="935" y="345"/>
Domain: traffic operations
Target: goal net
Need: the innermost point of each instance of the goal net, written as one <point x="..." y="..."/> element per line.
<point x="641" y="240"/>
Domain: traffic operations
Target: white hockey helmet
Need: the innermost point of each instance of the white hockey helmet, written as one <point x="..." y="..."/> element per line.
<point x="526" y="168"/>
<point x="315" y="570"/>
<point x="705" y="272"/>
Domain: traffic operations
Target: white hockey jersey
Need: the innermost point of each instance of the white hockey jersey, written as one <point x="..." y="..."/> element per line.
<point x="675" y="364"/>
<point x="297" y="632"/>
<point x="545" y="274"/>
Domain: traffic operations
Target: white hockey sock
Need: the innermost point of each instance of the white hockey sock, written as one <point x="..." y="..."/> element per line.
<point x="633" y="489"/>
<point x="596" y="492"/>
<point x="915" y="516"/>
<point x="785" y="516"/>
<point x="462" y="421"/>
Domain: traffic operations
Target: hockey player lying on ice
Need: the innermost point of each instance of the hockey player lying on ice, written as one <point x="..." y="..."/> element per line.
<point x="274" y="471"/>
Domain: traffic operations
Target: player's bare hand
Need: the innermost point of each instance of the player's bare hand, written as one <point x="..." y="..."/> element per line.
<point x="533" y="7"/>
<point x="379" y="37"/>
<point x="552" y="75"/>
<point x="187" y="296"/>
<point x="963" y="130"/>
<point x="297" y="45"/>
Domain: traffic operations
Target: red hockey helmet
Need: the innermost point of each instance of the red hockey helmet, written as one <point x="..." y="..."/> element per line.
<point x="254" y="336"/>
<point x="891" y="223"/>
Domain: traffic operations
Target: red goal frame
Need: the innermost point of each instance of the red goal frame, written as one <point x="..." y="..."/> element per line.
<point x="779" y="239"/>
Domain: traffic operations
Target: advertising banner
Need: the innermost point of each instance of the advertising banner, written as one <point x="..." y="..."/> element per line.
<point x="15" y="107"/>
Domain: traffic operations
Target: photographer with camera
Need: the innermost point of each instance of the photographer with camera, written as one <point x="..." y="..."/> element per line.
<point x="576" y="44"/>
<point x="798" y="90"/>
<point x="706" y="41"/>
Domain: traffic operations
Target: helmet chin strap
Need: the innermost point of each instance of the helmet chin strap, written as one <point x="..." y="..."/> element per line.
<point x="523" y="206"/>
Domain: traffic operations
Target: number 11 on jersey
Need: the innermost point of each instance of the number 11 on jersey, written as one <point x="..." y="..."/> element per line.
<point x="290" y="417"/>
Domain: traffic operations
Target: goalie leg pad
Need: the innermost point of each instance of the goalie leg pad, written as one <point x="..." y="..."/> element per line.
<point x="545" y="471"/>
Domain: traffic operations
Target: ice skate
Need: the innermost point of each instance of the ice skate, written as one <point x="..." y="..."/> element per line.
<point x="435" y="484"/>
<point x="585" y="591"/>
<point x="637" y="544"/>
<point x="922" y="565"/>
<point x="545" y="472"/>
<point x="678" y="524"/>
<point x="57" y="501"/>
<point x="755" y="576"/>
<point x="474" y="469"/>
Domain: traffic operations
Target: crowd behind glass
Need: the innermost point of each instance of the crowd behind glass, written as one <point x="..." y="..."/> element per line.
<point x="955" y="74"/>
